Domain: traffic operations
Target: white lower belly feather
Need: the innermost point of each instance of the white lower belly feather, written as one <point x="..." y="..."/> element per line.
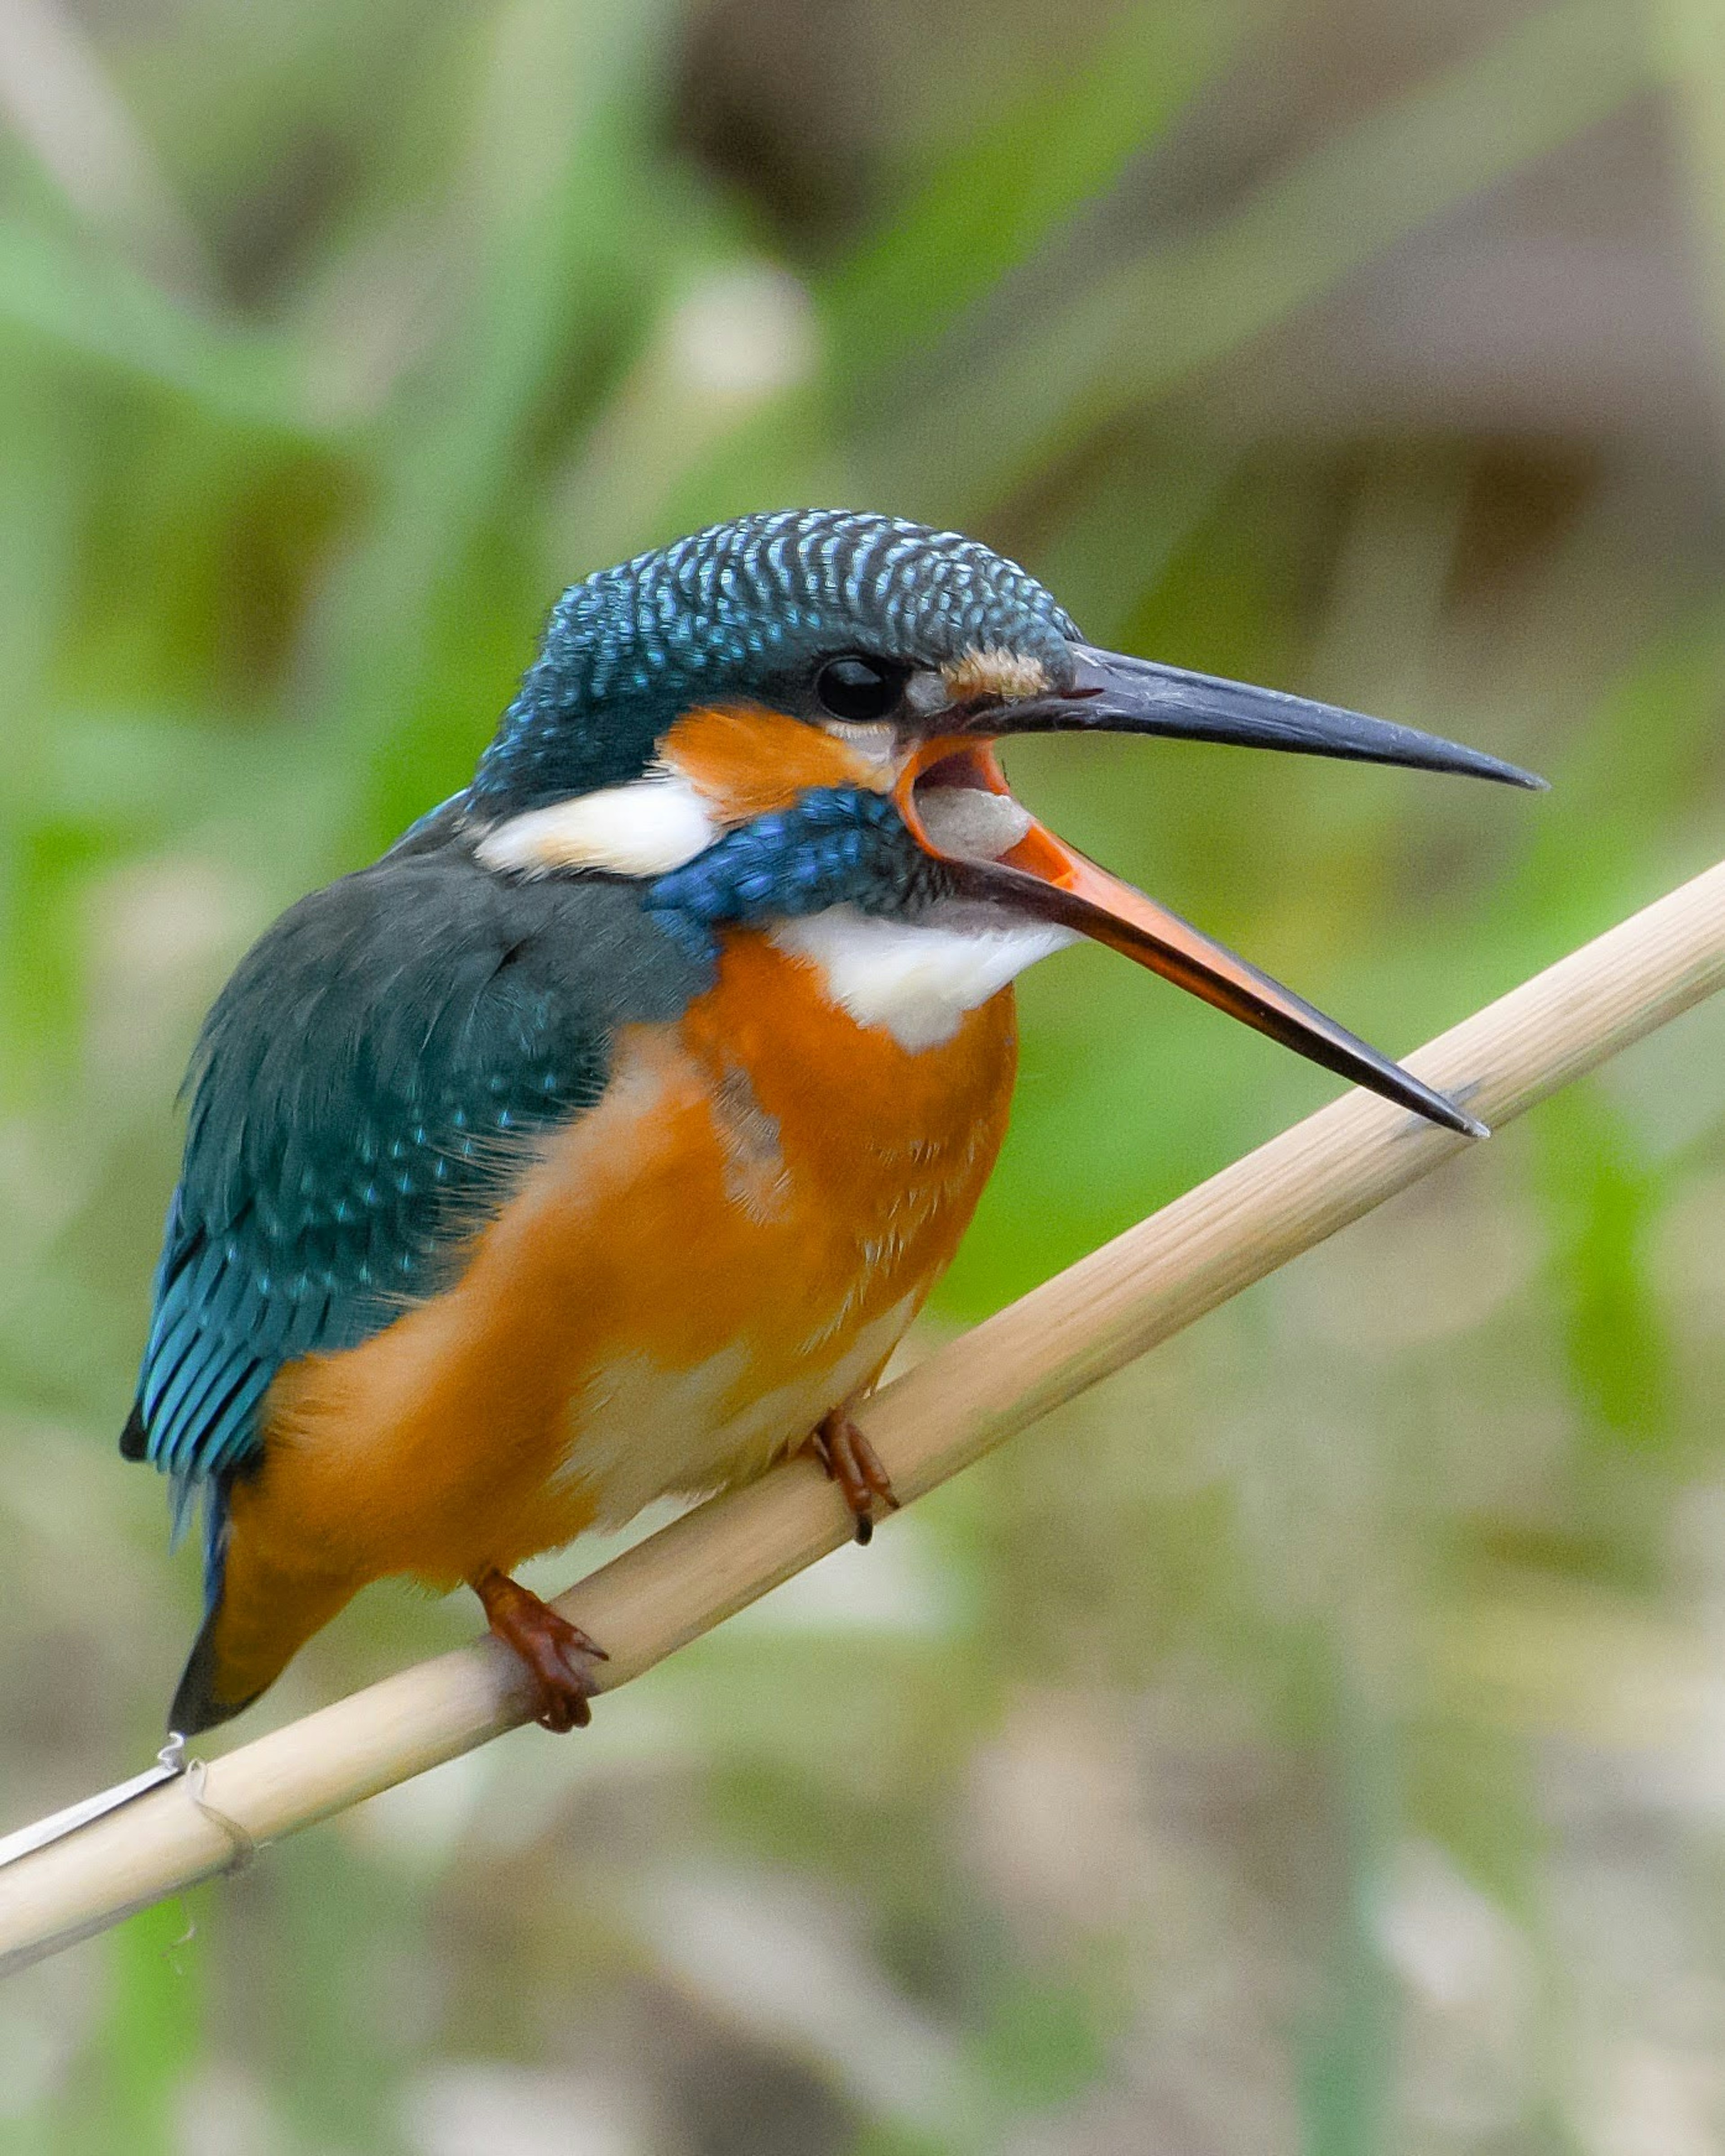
<point x="638" y="1431"/>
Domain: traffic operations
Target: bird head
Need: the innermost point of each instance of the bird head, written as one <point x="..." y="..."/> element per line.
<point x="797" y="711"/>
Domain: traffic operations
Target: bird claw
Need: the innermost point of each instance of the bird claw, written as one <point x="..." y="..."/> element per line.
<point x="557" y="1655"/>
<point x="853" y="1464"/>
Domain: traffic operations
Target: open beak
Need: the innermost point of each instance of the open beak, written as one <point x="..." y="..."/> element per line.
<point x="953" y="795"/>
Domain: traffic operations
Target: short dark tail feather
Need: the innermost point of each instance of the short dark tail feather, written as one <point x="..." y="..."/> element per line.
<point x="256" y="1618"/>
<point x="197" y="1704"/>
<point x="135" y="1439"/>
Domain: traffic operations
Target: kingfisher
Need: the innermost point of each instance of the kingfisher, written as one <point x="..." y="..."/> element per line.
<point x="599" y="1141"/>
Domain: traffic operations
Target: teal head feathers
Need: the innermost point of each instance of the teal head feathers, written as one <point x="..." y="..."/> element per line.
<point x="918" y="648"/>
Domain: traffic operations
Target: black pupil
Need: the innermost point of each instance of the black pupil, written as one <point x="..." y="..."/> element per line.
<point x="857" y="690"/>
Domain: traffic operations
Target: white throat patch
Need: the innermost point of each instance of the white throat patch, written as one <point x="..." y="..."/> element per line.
<point x="917" y="979"/>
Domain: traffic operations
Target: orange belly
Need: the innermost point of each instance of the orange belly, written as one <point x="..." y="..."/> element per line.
<point x="730" y="1243"/>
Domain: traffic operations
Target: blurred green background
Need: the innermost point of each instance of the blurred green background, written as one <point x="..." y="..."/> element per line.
<point x="1315" y="1740"/>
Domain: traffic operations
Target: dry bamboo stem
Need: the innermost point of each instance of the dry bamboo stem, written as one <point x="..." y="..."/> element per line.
<point x="1088" y="1321"/>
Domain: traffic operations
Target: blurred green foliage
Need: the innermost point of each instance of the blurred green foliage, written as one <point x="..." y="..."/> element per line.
<point x="1311" y="1741"/>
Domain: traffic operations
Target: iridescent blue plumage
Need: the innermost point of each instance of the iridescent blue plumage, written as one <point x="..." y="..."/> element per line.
<point x="363" y="1090"/>
<point x="739" y="609"/>
<point x="839" y="845"/>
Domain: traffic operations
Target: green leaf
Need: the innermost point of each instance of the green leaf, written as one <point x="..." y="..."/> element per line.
<point x="1604" y="1204"/>
<point x="94" y="309"/>
<point x="964" y="436"/>
<point x="1010" y="180"/>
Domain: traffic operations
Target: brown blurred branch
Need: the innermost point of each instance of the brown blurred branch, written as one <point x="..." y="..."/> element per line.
<point x="1078" y="1328"/>
<point x="56" y="94"/>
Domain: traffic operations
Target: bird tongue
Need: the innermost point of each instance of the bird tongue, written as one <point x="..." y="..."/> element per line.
<point x="1039" y="875"/>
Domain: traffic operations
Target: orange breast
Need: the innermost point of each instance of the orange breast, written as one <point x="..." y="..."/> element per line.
<point x="685" y="1282"/>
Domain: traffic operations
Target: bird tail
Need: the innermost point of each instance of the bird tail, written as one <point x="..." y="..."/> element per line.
<point x="258" y="1616"/>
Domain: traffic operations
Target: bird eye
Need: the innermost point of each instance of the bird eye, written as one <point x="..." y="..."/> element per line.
<point x="859" y="690"/>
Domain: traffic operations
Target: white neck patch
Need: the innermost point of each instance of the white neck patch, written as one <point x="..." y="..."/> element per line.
<point x="917" y="979"/>
<point x="645" y="828"/>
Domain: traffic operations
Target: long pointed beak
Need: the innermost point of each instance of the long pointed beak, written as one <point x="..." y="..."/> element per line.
<point x="1111" y="693"/>
<point x="1020" y="865"/>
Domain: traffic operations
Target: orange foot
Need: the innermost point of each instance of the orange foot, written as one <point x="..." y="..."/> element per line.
<point x="853" y="1463"/>
<point x="559" y="1655"/>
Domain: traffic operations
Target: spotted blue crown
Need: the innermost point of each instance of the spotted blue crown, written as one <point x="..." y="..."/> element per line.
<point x="743" y="609"/>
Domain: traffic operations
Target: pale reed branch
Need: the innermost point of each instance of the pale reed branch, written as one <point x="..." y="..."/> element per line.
<point x="1092" y="1319"/>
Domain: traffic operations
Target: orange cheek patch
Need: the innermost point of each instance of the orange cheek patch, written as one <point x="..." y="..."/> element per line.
<point x="746" y="761"/>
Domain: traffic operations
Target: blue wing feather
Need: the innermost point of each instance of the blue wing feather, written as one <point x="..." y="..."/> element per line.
<point x="362" y="1092"/>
